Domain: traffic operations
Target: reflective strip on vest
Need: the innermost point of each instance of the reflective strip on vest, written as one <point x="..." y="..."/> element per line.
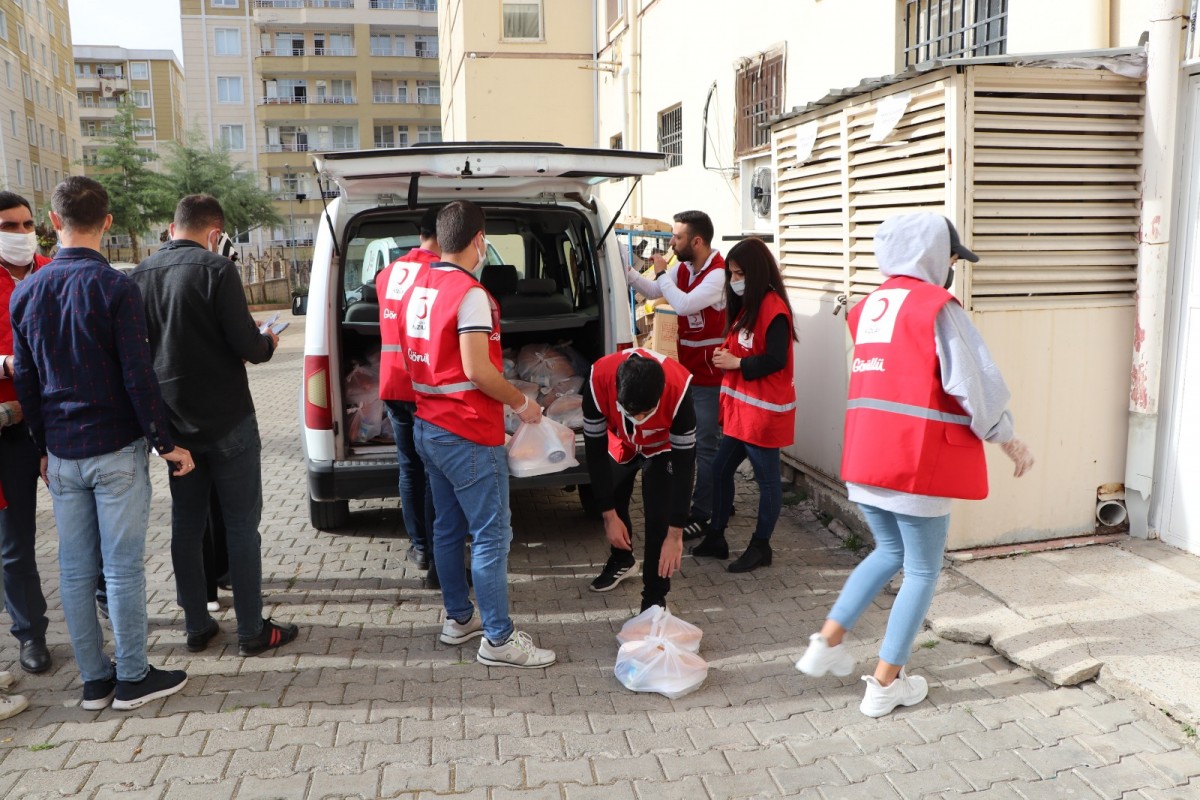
<point x="909" y="411"/>
<point x="754" y="401"/>
<point x="449" y="388"/>
<point x="701" y="343"/>
<point x="393" y="348"/>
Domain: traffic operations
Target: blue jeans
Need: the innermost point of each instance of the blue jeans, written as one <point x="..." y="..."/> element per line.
<point x="470" y="493"/>
<point x="102" y="508"/>
<point x="707" y="400"/>
<point x="917" y="545"/>
<point x="23" y="596"/>
<point x="416" y="492"/>
<point x="765" y="460"/>
<point x="231" y="467"/>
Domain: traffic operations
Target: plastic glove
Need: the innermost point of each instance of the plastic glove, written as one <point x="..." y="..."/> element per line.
<point x="1021" y="455"/>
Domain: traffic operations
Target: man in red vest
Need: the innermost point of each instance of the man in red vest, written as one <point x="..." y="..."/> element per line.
<point x="638" y="415"/>
<point x="450" y="335"/>
<point x="695" y="288"/>
<point x="395" y="389"/>
<point x="20" y="461"/>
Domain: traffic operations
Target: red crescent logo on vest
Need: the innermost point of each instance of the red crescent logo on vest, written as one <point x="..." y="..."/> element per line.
<point x="423" y="311"/>
<point x="883" y="311"/>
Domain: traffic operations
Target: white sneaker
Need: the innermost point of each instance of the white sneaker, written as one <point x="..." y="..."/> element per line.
<point x="7" y="679"/>
<point x="214" y="605"/>
<point x="518" y="651"/>
<point x="11" y="705"/>
<point x="904" y="691"/>
<point x="820" y="659"/>
<point x="454" y="633"/>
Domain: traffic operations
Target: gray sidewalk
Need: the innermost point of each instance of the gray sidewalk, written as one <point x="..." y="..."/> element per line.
<point x="367" y="704"/>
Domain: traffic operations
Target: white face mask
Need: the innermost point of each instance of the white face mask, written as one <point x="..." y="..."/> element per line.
<point x="738" y="287"/>
<point x="482" y="261"/>
<point x="18" y="248"/>
<point x="632" y="420"/>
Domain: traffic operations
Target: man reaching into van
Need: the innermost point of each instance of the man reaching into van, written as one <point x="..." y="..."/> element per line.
<point x="695" y="288"/>
<point x="201" y="333"/>
<point x="395" y="389"/>
<point x="450" y="332"/>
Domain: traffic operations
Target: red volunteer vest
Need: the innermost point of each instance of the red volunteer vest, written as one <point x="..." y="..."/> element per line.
<point x="8" y="392"/>
<point x="700" y="333"/>
<point x="652" y="436"/>
<point x="759" y="412"/>
<point x="394" y="382"/>
<point x="429" y="335"/>
<point x="903" y="431"/>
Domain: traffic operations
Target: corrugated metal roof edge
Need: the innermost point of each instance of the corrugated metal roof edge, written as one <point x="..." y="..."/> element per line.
<point x="868" y="85"/>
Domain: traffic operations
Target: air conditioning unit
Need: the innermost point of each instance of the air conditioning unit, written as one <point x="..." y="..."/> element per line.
<point x="761" y="188"/>
<point x="757" y="194"/>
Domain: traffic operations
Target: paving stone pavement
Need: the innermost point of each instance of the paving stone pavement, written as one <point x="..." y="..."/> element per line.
<point x="367" y="704"/>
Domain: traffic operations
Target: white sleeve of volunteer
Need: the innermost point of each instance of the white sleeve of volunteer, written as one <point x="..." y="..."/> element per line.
<point x="710" y="292"/>
<point x="475" y="313"/>
<point x="971" y="376"/>
<point x="650" y="289"/>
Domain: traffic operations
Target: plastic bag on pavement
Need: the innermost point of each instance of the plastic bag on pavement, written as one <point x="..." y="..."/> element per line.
<point x="540" y="449"/>
<point x="659" y="665"/>
<point x="567" y="410"/>
<point x="658" y="621"/>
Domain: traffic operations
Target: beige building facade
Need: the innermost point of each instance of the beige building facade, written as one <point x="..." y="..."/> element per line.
<point x="273" y="80"/>
<point x="40" y="140"/>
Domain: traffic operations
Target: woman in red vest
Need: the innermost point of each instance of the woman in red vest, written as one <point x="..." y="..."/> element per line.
<point x="924" y="396"/>
<point x="758" y="397"/>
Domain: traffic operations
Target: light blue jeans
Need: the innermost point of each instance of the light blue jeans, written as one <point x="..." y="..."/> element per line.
<point x="707" y="401"/>
<point x="914" y="543"/>
<point x="470" y="493"/>
<point x="102" y="508"/>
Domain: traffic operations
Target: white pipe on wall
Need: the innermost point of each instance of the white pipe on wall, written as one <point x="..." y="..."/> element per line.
<point x="1164" y="57"/>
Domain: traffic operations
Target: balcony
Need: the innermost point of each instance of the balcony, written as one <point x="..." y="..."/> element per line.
<point x="91" y="83"/>
<point x="304" y="3"/>
<point x="389" y="99"/>
<point x="328" y="100"/>
<point x="292" y="61"/>
<point x="405" y="5"/>
<point x="98" y="112"/>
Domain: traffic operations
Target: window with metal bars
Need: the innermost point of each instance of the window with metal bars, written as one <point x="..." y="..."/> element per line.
<point x="670" y="135"/>
<point x="759" y="96"/>
<point x="954" y="29"/>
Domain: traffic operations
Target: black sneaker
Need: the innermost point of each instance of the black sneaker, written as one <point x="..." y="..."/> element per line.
<point x="713" y="546"/>
<point x="272" y="636"/>
<point x="419" y="557"/>
<point x="98" y="695"/>
<point x="758" y="554"/>
<point x="196" y="642"/>
<point x="102" y="607"/>
<point x="695" y="528"/>
<point x="157" y="683"/>
<point x="613" y="573"/>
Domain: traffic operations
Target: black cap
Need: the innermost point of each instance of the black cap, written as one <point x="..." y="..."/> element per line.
<point x="957" y="248"/>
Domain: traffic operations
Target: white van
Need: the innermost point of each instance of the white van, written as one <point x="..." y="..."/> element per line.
<point x="554" y="278"/>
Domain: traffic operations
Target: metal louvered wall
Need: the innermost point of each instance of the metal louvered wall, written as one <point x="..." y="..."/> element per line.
<point x="1038" y="167"/>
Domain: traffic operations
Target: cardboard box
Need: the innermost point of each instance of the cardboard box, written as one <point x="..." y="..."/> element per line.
<point x="664" y="337"/>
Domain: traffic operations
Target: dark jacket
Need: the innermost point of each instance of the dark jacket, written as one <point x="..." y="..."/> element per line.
<point x="201" y="332"/>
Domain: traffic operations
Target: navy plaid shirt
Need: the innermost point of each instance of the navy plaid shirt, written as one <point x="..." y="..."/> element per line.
<point x="81" y="359"/>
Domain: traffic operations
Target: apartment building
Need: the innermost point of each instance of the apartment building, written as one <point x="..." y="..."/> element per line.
<point x="274" y="80"/>
<point x="40" y="138"/>
<point x="152" y="80"/>
<point x="518" y="71"/>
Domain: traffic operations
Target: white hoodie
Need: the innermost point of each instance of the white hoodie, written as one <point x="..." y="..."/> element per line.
<point x="918" y="245"/>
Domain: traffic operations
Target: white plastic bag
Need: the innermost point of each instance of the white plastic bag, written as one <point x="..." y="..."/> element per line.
<point x="530" y="390"/>
<point x="543" y="364"/>
<point x="567" y="410"/>
<point x="658" y="621"/>
<point x="659" y="665"/>
<point x="363" y="406"/>
<point x="560" y="389"/>
<point x="540" y="449"/>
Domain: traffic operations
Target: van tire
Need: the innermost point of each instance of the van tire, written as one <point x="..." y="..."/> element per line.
<point x="328" y="516"/>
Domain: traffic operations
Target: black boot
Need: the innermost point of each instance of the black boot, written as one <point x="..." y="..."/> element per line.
<point x="713" y="545"/>
<point x="758" y="554"/>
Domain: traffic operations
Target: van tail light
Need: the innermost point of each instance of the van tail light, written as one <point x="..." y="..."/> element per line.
<point x="317" y="414"/>
<point x="625" y="345"/>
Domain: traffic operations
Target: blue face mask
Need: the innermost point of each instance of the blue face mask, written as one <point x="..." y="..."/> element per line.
<point x="738" y="287"/>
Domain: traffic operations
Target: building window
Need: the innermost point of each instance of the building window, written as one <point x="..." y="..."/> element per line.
<point x="139" y="70"/>
<point x="615" y="12"/>
<point x="429" y="133"/>
<point x="20" y="173"/>
<point x="425" y="46"/>
<point x="21" y="37"/>
<point x="229" y="89"/>
<point x="385" y="44"/>
<point x="233" y="137"/>
<point x="141" y="98"/>
<point x="227" y="41"/>
<point x="144" y="128"/>
<point x="3" y="25"/>
<point x="12" y="121"/>
<point x="37" y="178"/>
<point x="385" y="136"/>
<point x="670" y="135"/>
<point x="345" y="137"/>
<point x="954" y="28"/>
<point x="429" y="93"/>
<point x="522" y="21"/>
<point x="225" y="3"/>
<point x="28" y="84"/>
<point x="758" y="95"/>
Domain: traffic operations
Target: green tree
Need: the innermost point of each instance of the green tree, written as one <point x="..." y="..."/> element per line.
<point x="137" y="196"/>
<point x="192" y="167"/>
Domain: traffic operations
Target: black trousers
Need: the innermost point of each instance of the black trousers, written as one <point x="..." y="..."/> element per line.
<point x="656" y="490"/>
<point x="20" y="465"/>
